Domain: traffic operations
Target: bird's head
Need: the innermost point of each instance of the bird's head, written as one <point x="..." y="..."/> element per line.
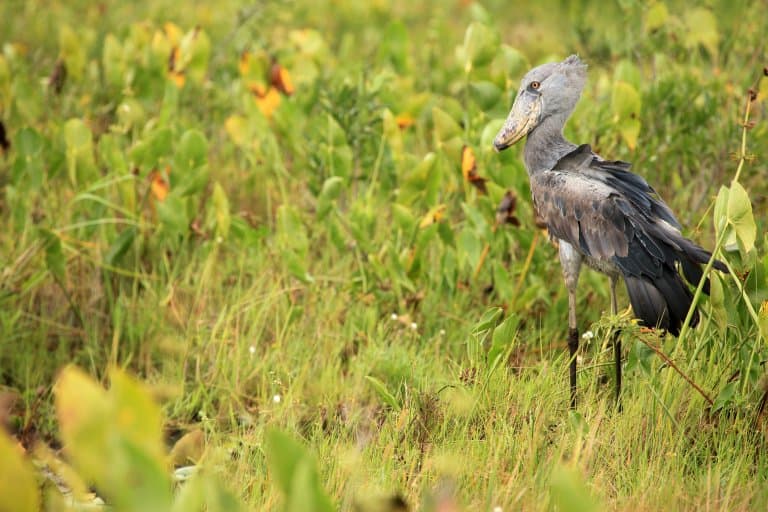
<point x="551" y="89"/>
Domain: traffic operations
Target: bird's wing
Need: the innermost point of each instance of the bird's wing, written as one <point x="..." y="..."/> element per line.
<point x="610" y="213"/>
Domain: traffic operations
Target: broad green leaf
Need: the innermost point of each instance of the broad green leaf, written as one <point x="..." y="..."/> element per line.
<point x="130" y="114"/>
<point x="192" y="151"/>
<point x="81" y="409"/>
<point x="54" y="256"/>
<point x="197" y="45"/>
<point x="726" y="395"/>
<point x="489" y="320"/>
<point x="221" y="209"/>
<point x="73" y="51"/>
<point x="394" y="46"/>
<point x="740" y="217"/>
<point x="136" y="414"/>
<point x="446" y="126"/>
<point x="480" y="46"/>
<point x="469" y="247"/>
<point x="625" y="71"/>
<point x="569" y="492"/>
<point x="404" y="217"/>
<point x="701" y="29"/>
<point x="503" y="337"/>
<point x="508" y="66"/>
<point x="381" y="390"/>
<point x="113" y="437"/>
<point x="5" y="85"/>
<point x="291" y="232"/>
<point x="296" y="266"/>
<point x="120" y="246"/>
<point x="79" y="143"/>
<point x="18" y="485"/>
<point x="328" y="194"/>
<point x="625" y="100"/>
<point x="655" y="17"/>
<point x="485" y="94"/>
<point x="294" y="470"/>
<point x="173" y="215"/>
<point x="625" y="105"/>
<point x="717" y="303"/>
<point x="28" y="168"/>
<point x="112" y="62"/>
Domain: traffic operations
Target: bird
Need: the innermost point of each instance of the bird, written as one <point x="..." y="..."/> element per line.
<point x="599" y="212"/>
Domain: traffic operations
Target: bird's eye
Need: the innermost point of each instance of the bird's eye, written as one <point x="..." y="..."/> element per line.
<point x="535" y="85"/>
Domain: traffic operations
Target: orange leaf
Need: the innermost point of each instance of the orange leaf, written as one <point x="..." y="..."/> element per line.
<point x="404" y="121"/>
<point x="469" y="169"/>
<point x="280" y="79"/>
<point x="267" y="100"/>
<point x="159" y="185"/>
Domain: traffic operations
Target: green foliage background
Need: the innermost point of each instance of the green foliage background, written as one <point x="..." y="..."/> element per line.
<point x="316" y="263"/>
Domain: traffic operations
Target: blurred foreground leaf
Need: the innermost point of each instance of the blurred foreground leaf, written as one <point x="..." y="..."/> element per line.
<point x="18" y="486"/>
<point x="295" y="472"/>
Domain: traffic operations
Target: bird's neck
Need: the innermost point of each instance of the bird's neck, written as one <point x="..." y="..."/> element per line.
<point x="546" y="145"/>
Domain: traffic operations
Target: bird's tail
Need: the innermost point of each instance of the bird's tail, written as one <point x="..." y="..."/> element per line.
<point x="664" y="301"/>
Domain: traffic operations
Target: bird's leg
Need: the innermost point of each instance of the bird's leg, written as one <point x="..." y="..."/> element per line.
<point x="570" y="260"/>
<point x="573" y="343"/>
<point x="616" y="341"/>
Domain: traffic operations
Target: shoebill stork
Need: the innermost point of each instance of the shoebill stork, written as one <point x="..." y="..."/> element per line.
<point x="599" y="212"/>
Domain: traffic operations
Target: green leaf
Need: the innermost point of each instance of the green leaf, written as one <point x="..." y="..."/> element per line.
<point x="489" y="319"/>
<point x="295" y="473"/>
<point x="73" y="51"/>
<point x="701" y="29"/>
<point x="625" y="105"/>
<point x="485" y="94"/>
<point x="503" y="337"/>
<point x="18" y="485"/>
<point x="54" y="256"/>
<point x="726" y="396"/>
<point x="445" y="126"/>
<point x="733" y="213"/>
<point x="192" y="151"/>
<point x="120" y="246"/>
<point x="173" y="215"/>
<point x="381" y="390"/>
<point x="480" y="46"/>
<point x="394" y="46"/>
<point x="79" y="143"/>
<point x="113" y="63"/>
<point x="28" y="168"/>
<point x="656" y="17"/>
<point x="113" y="437"/>
<point x="569" y="492"/>
<point x="221" y="209"/>
<point x="296" y="266"/>
<point x="741" y="218"/>
<point x="403" y="217"/>
<point x="283" y="455"/>
<point x="328" y="194"/>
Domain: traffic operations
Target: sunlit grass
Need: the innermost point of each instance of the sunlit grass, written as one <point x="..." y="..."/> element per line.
<point x="296" y="276"/>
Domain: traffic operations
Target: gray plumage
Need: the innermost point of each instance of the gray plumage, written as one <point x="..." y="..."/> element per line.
<point x="599" y="211"/>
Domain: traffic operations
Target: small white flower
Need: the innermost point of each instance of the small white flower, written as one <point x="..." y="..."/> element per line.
<point x="442" y="332"/>
<point x="414" y="326"/>
<point x="276" y="399"/>
<point x="588" y="335"/>
<point x="219" y="240"/>
<point x="497" y="509"/>
<point x="252" y="349"/>
<point x="393" y="316"/>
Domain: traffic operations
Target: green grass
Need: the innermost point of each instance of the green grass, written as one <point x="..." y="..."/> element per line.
<point x="260" y="292"/>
